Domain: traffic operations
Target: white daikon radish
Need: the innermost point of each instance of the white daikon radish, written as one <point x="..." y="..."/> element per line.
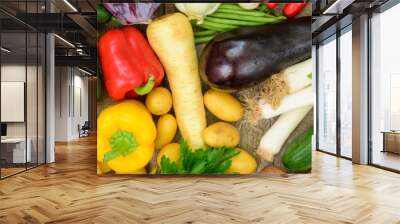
<point x="295" y="100"/>
<point x="273" y="140"/>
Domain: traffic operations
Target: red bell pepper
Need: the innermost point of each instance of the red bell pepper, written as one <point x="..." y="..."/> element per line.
<point x="130" y="67"/>
<point x="290" y="10"/>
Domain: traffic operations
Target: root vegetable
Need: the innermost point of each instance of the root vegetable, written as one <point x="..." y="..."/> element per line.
<point x="243" y="163"/>
<point x="166" y="130"/>
<point x="221" y="134"/>
<point x="298" y="99"/>
<point x="159" y="101"/>
<point x="273" y="140"/>
<point x="171" y="151"/>
<point x="171" y="37"/>
<point x="223" y="106"/>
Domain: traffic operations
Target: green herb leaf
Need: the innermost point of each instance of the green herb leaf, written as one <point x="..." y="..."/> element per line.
<point x="309" y="76"/>
<point x="208" y="160"/>
<point x="169" y="167"/>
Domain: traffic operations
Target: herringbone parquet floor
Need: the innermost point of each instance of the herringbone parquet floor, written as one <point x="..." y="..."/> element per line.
<point x="69" y="191"/>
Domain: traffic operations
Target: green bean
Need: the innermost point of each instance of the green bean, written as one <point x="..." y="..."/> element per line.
<point x="213" y="28"/>
<point x="223" y="26"/>
<point x="203" y="39"/>
<point x="248" y="18"/>
<point x="204" y="33"/>
<point x="230" y="6"/>
<point x="243" y="12"/>
<point x="233" y="22"/>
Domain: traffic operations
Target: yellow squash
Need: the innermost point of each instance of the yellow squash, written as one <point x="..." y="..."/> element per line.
<point x="125" y="137"/>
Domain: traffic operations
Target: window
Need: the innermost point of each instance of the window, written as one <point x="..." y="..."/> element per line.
<point x="385" y="89"/>
<point x="327" y="95"/>
<point x="346" y="95"/>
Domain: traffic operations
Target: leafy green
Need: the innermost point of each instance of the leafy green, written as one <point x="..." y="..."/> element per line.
<point x="209" y="160"/>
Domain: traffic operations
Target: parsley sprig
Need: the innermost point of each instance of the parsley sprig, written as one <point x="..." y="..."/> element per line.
<point x="208" y="160"/>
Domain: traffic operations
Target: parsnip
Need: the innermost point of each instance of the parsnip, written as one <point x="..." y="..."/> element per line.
<point x="171" y="37"/>
<point x="295" y="100"/>
<point x="273" y="140"/>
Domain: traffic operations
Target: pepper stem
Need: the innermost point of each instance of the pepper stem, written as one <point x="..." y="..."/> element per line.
<point x="143" y="90"/>
<point x="122" y="143"/>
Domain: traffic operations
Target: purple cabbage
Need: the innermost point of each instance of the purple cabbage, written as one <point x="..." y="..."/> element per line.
<point x="132" y="13"/>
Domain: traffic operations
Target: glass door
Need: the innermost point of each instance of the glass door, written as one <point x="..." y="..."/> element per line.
<point x="326" y="116"/>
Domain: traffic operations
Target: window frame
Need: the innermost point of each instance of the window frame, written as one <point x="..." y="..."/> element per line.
<point x="337" y="34"/>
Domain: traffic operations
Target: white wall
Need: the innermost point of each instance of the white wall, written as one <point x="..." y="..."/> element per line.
<point x="71" y="94"/>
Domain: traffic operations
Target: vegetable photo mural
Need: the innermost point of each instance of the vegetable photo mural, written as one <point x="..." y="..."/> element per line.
<point x="204" y="88"/>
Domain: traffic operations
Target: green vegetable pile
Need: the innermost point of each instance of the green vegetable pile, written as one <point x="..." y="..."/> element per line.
<point x="208" y="160"/>
<point x="231" y="16"/>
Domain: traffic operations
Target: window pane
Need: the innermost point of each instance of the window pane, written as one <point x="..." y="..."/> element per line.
<point x="346" y="94"/>
<point x="327" y="96"/>
<point x="385" y="85"/>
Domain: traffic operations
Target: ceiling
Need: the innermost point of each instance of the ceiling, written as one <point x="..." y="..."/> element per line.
<point x="332" y="15"/>
<point x="72" y="20"/>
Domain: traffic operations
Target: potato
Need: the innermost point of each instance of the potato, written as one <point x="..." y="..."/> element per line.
<point x="223" y="106"/>
<point x="166" y="130"/>
<point x="172" y="151"/>
<point x="139" y="171"/>
<point x="243" y="163"/>
<point x="159" y="101"/>
<point x="221" y="134"/>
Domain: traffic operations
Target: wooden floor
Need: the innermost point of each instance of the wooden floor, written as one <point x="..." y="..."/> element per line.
<point x="69" y="191"/>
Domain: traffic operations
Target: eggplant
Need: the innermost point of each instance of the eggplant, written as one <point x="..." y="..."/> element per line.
<point x="249" y="55"/>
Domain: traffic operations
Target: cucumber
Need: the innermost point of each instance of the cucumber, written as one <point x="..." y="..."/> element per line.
<point x="297" y="157"/>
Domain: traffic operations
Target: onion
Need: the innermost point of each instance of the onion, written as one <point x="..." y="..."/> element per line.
<point x="132" y="13"/>
<point x="197" y="11"/>
<point x="249" y="6"/>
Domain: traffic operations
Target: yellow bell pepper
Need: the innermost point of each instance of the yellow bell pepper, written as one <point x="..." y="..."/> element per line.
<point x="125" y="137"/>
<point x="102" y="168"/>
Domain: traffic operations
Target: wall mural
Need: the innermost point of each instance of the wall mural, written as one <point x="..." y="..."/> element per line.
<point x="207" y="88"/>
